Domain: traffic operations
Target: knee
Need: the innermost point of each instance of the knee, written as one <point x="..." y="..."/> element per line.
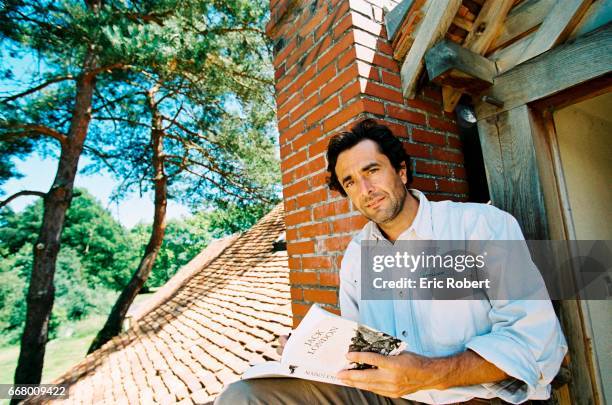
<point x="241" y="392"/>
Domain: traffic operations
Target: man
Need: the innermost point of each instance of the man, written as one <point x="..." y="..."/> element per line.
<point x="459" y="350"/>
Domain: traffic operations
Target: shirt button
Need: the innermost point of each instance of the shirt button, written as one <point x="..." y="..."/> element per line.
<point x="404" y="333"/>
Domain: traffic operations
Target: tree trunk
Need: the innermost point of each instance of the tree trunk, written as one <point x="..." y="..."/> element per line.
<point x="41" y="291"/>
<point x="112" y="327"/>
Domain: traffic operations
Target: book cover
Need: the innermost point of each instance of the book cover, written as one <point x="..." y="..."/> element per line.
<point x="317" y="348"/>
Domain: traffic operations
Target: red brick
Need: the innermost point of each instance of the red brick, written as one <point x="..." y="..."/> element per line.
<point x="331" y="55"/>
<point x="320" y="80"/>
<point x="311" y="198"/>
<point x="313" y="21"/>
<point x="309" y="104"/>
<point x="438" y="169"/>
<point x="443" y="125"/>
<point x="338" y="15"/>
<point x="303" y="140"/>
<point x="331" y="209"/>
<point x="386" y="62"/>
<point x="292" y="234"/>
<point x="332" y="310"/>
<point x="398" y="130"/>
<point x="433" y="92"/>
<point x="297" y="248"/>
<point x="338" y="82"/>
<point x="296" y="129"/>
<point x="423" y="184"/>
<point x="299" y="309"/>
<point x="405" y="115"/>
<point x="447" y="155"/>
<point x="368" y="71"/>
<point x="316" y="263"/>
<point x="329" y="279"/>
<point x="347" y="58"/>
<point x="296" y="293"/>
<point x="421" y="135"/>
<point x="319" y="147"/>
<point x="295" y="100"/>
<point x="303" y="277"/>
<point x="337" y="243"/>
<point x="386" y="93"/>
<point x="285" y="150"/>
<point x="392" y="79"/>
<point x="351" y="91"/>
<point x="349" y="224"/>
<point x="321" y="296"/>
<point x="310" y="231"/>
<point x="341" y="117"/>
<point x="458" y="187"/>
<point x="343" y="26"/>
<point x="296" y="188"/>
<point x="317" y="164"/>
<point x="417" y="150"/>
<point x="384" y="47"/>
<point x="290" y="204"/>
<point x="424" y="105"/>
<point x="319" y="179"/>
<point x="459" y="173"/>
<point x="372" y="106"/>
<point x="323" y="111"/>
<point x="306" y="43"/>
<point x="296" y="319"/>
<point x="297" y="217"/>
<point x="454" y="142"/>
<point x="320" y="46"/>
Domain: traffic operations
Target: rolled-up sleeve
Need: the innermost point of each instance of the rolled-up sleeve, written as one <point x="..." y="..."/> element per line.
<point x="525" y="340"/>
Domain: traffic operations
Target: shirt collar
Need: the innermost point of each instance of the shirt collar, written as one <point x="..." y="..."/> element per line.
<point x="422" y="225"/>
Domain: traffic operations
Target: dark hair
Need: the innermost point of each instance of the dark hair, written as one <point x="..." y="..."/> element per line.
<point x="387" y="143"/>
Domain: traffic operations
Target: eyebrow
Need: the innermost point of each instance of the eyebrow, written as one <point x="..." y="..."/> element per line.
<point x="363" y="169"/>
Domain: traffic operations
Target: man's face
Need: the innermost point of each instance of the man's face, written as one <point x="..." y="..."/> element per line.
<point x="371" y="182"/>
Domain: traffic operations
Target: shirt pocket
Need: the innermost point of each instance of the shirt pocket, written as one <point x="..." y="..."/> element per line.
<point x="450" y="324"/>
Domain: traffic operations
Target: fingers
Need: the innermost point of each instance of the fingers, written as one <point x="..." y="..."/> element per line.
<point x="282" y="341"/>
<point x="373" y="359"/>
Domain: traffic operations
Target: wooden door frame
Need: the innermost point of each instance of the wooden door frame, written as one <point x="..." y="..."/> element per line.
<point x="524" y="171"/>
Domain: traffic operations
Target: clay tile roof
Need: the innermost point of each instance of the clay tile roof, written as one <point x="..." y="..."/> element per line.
<point x="201" y="331"/>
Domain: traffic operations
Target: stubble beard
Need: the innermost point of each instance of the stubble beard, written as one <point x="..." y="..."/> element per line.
<point x="389" y="214"/>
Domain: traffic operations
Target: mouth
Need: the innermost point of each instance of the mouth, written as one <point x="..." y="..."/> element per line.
<point x="376" y="203"/>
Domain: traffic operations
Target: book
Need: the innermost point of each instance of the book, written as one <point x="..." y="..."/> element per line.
<point x="317" y="348"/>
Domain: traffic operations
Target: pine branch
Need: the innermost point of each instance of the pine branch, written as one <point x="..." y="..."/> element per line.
<point x="20" y="194"/>
<point x="26" y="130"/>
<point x="41" y="86"/>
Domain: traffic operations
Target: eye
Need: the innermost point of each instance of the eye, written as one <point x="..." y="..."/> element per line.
<point x="348" y="183"/>
<point x="373" y="170"/>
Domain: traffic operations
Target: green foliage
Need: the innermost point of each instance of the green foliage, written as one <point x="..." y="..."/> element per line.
<point x="90" y="231"/>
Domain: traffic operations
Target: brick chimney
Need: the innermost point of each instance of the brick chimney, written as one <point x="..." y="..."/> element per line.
<point x="333" y="66"/>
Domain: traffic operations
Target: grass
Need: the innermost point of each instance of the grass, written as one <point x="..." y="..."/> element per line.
<point x="61" y="353"/>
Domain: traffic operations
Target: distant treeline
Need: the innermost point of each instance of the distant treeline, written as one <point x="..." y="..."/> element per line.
<point x="98" y="256"/>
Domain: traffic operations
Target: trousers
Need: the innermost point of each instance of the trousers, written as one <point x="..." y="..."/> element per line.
<point x="293" y="391"/>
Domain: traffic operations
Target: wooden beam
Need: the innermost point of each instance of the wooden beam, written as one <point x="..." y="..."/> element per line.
<point x="446" y="58"/>
<point x="438" y="18"/>
<point x="570" y="64"/>
<point x="555" y="28"/>
<point x="521" y="20"/>
<point x="512" y="170"/>
<point x="486" y="28"/>
<point x="598" y="15"/>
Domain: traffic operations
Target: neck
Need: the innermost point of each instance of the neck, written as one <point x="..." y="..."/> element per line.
<point x="394" y="228"/>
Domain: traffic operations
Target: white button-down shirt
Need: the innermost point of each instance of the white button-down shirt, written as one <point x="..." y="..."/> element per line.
<point x="521" y="337"/>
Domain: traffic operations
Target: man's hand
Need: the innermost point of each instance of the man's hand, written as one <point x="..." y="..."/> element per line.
<point x="282" y="341"/>
<point x="394" y="376"/>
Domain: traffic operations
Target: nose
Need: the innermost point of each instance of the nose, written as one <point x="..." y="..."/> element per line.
<point x="365" y="187"/>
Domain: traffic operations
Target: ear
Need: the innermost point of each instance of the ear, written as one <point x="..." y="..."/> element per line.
<point x="403" y="172"/>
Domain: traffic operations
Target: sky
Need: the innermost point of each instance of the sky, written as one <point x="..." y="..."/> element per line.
<point x="39" y="173"/>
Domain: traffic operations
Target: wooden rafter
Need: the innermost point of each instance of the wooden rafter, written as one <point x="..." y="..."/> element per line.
<point x="555" y="28"/>
<point x="486" y="27"/>
<point x="435" y="23"/>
